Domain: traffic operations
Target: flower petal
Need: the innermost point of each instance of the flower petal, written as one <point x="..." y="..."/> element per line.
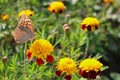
<point x="68" y="77"/>
<point x="50" y="58"/>
<point x="39" y="61"/>
<point x="29" y="54"/>
<point x="58" y="73"/>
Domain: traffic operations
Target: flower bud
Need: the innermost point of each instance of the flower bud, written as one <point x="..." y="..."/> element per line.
<point x="66" y="28"/>
<point x="67" y="17"/>
<point x="4" y="59"/>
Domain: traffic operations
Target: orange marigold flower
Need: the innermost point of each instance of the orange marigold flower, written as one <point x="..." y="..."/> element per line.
<point x="108" y="1"/>
<point x="90" y="68"/>
<point x="5" y="17"/>
<point x="29" y="54"/>
<point x="41" y="49"/>
<point x="26" y="12"/>
<point x="57" y="7"/>
<point x="66" y="65"/>
<point x="90" y="24"/>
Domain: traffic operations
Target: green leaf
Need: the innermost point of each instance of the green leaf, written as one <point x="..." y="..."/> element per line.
<point x="115" y="76"/>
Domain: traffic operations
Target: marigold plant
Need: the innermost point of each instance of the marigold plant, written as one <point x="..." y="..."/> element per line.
<point x="41" y="49"/>
<point x="57" y="7"/>
<point x="90" y="68"/>
<point x="26" y="12"/>
<point x="66" y="65"/>
<point x="90" y="24"/>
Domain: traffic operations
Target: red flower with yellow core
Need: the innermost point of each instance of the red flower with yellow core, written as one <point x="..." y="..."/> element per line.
<point x="90" y="68"/>
<point x="41" y="49"/>
<point x="66" y="65"/>
<point x="56" y="7"/>
<point x="90" y="24"/>
<point x="26" y="12"/>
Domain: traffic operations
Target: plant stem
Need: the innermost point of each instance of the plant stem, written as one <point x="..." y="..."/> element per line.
<point x="25" y="48"/>
<point x="87" y="47"/>
<point x="4" y="59"/>
<point x="4" y="72"/>
<point x="67" y="36"/>
<point x="88" y="7"/>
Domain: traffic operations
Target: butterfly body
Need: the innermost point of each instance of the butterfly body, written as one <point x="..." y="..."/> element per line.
<point x="24" y="30"/>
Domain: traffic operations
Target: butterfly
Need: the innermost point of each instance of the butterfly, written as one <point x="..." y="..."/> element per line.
<point x="24" y="30"/>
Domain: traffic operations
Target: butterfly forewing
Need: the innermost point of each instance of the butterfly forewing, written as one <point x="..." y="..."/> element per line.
<point x="25" y="22"/>
<point x="24" y="30"/>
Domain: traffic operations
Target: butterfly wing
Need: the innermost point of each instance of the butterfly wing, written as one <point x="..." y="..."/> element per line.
<point x="24" y="31"/>
<point x="25" y="23"/>
<point x="21" y="36"/>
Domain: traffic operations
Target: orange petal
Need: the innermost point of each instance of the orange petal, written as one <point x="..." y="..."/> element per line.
<point x="60" y="11"/>
<point x="39" y="61"/>
<point x="50" y="58"/>
<point x="53" y="11"/>
<point x="83" y="73"/>
<point x="92" y="74"/>
<point x="68" y="77"/>
<point x="89" y="27"/>
<point x="83" y="26"/>
<point x="58" y="73"/>
<point x="29" y="54"/>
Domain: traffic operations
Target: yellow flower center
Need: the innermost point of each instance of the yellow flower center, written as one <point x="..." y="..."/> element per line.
<point x="66" y="65"/>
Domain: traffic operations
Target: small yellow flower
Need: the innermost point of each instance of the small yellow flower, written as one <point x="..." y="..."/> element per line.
<point x="26" y="12"/>
<point x="41" y="48"/>
<point x="66" y="65"/>
<point x="90" y="24"/>
<point x="90" y="68"/>
<point x="108" y="1"/>
<point x="57" y="7"/>
<point x="4" y="17"/>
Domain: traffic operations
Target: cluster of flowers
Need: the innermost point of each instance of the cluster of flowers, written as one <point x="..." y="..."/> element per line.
<point x="41" y="49"/>
<point x="55" y="7"/>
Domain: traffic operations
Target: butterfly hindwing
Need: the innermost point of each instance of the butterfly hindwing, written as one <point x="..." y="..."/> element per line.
<point x="26" y="37"/>
<point x="25" y="29"/>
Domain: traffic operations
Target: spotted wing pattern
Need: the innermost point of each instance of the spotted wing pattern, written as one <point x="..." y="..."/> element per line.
<point x="24" y="30"/>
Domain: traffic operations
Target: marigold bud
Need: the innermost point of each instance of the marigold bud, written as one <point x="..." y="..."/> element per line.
<point x="67" y="16"/>
<point x="4" y="59"/>
<point x="66" y="27"/>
